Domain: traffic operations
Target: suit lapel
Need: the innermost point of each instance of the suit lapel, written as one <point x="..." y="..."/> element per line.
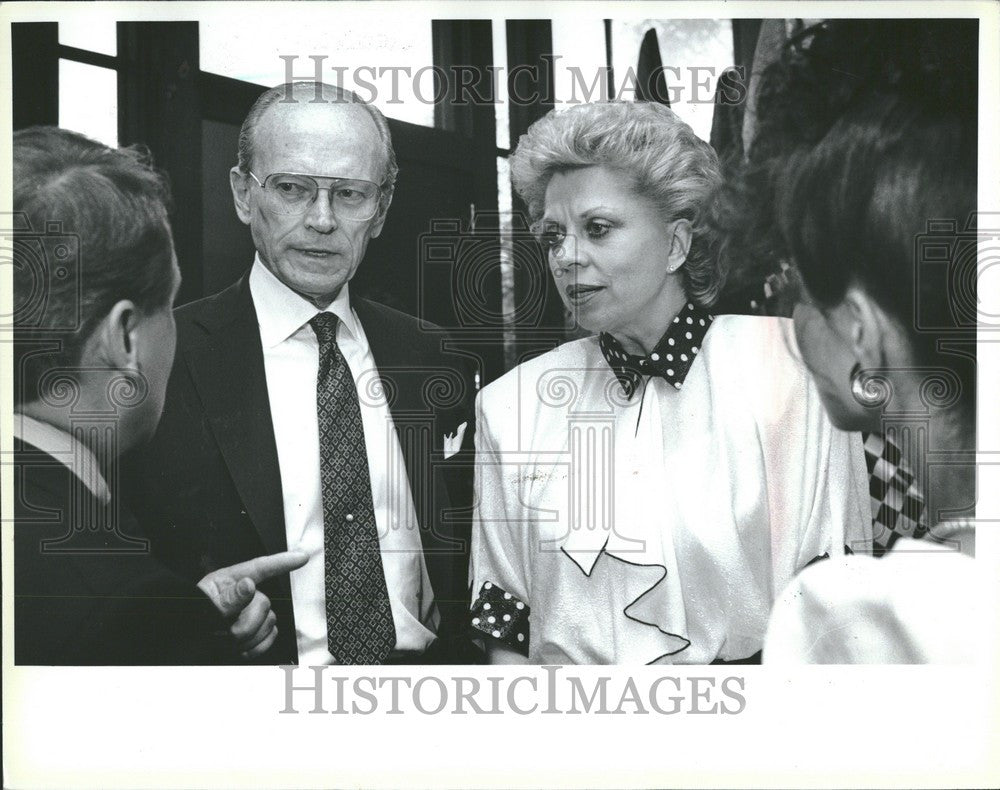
<point x="228" y="371"/>
<point x="404" y="371"/>
<point x="400" y="372"/>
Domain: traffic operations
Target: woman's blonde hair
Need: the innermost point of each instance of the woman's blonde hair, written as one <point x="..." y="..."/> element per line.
<point x="666" y="161"/>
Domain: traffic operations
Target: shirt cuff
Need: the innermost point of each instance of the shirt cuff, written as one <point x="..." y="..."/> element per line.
<point x="502" y="616"/>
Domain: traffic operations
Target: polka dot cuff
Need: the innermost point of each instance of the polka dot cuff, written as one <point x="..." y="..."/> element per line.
<point x="500" y="615"/>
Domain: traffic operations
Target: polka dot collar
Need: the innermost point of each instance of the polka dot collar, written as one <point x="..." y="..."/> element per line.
<point x="672" y="357"/>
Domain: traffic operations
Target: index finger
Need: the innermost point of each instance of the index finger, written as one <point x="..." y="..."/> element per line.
<point x="262" y="568"/>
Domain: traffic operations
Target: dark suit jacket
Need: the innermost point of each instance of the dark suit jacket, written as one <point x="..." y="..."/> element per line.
<point x="208" y="487"/>
<point x="80" y="598"/>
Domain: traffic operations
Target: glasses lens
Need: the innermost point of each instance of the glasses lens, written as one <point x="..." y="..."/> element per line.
<point x="353" y="198"/>
<point x="350" y="198"/>
<point x="289" y="194"/>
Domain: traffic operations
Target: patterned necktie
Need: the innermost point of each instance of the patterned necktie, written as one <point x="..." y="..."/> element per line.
<point x="359" y="624"/>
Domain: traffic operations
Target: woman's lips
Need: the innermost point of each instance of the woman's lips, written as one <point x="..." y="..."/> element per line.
<point x="580" y="294"/>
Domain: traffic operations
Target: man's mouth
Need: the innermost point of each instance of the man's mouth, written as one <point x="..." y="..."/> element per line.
<point x="578" y="294"/>
<point x="314" y="252"/>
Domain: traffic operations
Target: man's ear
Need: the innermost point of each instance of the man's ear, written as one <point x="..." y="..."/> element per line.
<point x="680" y="245"/>
<point x="116" y="338"/>
<point x="376" y="227"/>
<point x="240" y="184"/>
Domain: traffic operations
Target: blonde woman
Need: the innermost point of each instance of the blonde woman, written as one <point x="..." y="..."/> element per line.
<point x="643" y="494"/>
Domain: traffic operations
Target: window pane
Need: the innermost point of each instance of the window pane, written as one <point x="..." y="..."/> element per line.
<point x="506" y="207"/>
<point x="578" y="45"/>
<point x="502" y="104"/>
<point x="100" y="36"/>
<point x="694" y="52"/>
<point x="386" y="59"/>
<point x="88" y="100"/>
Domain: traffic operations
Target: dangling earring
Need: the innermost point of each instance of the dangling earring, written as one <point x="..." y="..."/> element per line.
<point x="868" y="389"/>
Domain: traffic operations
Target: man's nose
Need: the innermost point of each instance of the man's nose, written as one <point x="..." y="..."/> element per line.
<point x="320" y="216"/>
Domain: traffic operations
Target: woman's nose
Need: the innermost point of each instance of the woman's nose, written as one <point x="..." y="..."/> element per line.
<point x="568" y="252"/>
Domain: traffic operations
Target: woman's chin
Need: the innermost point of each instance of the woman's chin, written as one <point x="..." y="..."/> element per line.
<point x="848" y="417"/>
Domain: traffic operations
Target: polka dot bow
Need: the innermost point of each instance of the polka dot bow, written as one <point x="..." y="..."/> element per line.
<point x="672" y="357"/>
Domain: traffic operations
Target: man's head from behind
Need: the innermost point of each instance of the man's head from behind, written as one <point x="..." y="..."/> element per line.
<point x="312" y="233"/>
<point x="92" y="312"/>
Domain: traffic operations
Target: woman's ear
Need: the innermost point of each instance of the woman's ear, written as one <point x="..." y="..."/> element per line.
<point x="866" y="328"/>
<point x="117" y="337"/>
<point x="680" y="244"/>
<point x="240" y="185"/>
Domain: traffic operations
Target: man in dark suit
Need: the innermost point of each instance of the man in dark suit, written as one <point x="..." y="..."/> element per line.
<point x="300" y="416"/>
<point x="95" y="277"/>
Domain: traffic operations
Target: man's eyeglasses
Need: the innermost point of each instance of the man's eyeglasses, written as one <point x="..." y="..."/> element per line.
<point x="293" y="193"/>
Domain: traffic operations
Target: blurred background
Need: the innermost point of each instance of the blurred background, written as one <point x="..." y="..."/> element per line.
<point x="455" y="250"/>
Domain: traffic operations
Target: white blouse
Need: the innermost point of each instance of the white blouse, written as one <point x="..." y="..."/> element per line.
<point x="920" y="604"/>
<point x="661" y="528"/>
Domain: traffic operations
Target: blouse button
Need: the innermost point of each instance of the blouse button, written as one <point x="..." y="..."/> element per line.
<point x="349" y="517"/>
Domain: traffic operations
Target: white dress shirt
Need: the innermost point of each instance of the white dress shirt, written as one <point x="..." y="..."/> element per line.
<point x="66" y="449"/>
<point x="291" y="364"/>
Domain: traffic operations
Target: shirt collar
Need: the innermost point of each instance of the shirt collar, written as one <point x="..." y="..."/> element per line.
<point x="66" y="449"/>
<point x="281" y="312"/>
<point x="672" y="357"/>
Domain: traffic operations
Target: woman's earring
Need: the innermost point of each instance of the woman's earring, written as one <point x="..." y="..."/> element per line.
<point x="869" y="389"/>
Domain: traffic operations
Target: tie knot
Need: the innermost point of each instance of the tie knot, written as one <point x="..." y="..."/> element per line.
<point x="325" y="327"/>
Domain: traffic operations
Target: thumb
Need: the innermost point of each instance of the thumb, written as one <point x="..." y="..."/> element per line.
<point x="237" y="596"/>
<point x="245" y="588"/>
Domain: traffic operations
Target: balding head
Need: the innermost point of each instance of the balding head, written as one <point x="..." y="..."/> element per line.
<point x="282" y="98"/>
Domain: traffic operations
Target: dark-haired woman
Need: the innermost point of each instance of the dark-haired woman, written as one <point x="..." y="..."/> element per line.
<point x="863" y="176"/>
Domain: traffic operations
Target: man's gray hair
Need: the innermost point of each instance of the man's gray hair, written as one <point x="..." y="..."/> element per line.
<point x="291" y="92"/>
